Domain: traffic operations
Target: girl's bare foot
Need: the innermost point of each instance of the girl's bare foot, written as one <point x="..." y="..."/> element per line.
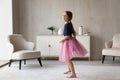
<point x="72" y="76"/>
<point x="67" y="72"/>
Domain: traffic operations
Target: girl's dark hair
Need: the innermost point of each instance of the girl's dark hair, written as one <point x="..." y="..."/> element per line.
<point x="70" y="15"/>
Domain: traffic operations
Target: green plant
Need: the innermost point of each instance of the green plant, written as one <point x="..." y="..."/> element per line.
<point x="51" y="28"/>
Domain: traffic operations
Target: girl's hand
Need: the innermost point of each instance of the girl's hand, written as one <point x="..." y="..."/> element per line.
<point x="64" y="38"/>
<point x="61" y="41"/>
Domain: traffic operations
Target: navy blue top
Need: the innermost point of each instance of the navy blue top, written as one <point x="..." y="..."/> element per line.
<point x="68" y="29"/>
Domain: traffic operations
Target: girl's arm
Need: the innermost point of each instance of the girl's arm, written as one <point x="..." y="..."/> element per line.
<point x="65" y="38"/>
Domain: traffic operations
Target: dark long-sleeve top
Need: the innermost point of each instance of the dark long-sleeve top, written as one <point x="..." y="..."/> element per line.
<point x="68" y="29"/>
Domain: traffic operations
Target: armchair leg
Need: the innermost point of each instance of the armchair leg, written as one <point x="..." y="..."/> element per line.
<point x="113" y="58"/>
<point x="39" y="59"/>
<point x="24" y="61"/>
<point x="103" y="59"/>
<point x="10" y="63"/>
<point x="20" y="64"/>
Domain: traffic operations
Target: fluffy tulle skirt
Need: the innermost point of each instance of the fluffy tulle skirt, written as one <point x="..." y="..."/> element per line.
<point x="71" y="48"/>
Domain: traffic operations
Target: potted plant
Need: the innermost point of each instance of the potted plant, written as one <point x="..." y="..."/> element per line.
<point x="51" y="28"/>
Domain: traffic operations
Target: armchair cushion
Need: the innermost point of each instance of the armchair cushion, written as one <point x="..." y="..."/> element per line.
<point x="26" y="54"/>
<point x="111" y="51"/>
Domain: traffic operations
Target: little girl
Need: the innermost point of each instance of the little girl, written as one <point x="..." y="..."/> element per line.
<point x="70" y="46"/>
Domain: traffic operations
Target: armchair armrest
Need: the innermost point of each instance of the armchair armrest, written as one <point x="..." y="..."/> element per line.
<point x="108" y="44"/>
<point x="10" y="47"/>
<point x="10" y="50"/>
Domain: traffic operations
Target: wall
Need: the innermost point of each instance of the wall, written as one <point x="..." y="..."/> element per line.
<point x="5" y="27"/>
<point x="15" y="7"/>
<point x="100" y="17"/>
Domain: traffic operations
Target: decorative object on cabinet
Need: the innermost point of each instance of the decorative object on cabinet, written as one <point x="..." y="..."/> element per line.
<point x="51" y="28"/>
<point x="83" y="31"/>
<point x="80" y="30"/>
<point x="60" y="31"/>
<point x="49" y="45"/>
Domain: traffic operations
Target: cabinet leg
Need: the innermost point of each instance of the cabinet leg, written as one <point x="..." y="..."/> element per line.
<point x="88" y="58"/>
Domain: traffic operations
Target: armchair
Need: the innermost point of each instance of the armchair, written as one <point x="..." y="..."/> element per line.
<point x="112" y="48"/>
<point x="22" y="50"/>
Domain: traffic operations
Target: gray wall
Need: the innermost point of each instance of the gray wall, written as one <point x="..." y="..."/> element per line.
<point x="100" y="17"/>
<point x="15" y="5"/>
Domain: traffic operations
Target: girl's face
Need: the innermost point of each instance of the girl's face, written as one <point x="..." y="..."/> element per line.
<point x="65" y="17"/>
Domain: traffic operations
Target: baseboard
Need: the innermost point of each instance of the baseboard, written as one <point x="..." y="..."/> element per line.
<point x="56" y="58"/>
<point x="2" y="65"/>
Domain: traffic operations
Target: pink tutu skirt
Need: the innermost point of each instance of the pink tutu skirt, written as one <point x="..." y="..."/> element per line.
<point x="71" y="48"/>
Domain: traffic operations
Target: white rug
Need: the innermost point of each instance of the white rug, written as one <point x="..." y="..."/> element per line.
<point x="53" y="70"/>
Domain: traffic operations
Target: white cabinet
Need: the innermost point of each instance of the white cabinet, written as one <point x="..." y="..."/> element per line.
<point x="50" y="47"/>
<point x="85" y="41"/>
<point x="43" y="45"/>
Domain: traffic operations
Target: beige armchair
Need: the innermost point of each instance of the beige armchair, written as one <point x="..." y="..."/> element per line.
<point x="112" y="48"/>
<point x="22" y="50"/>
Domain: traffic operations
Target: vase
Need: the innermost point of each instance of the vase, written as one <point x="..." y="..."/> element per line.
<point x="52" y="32"/>
<point x="60" y="31"/>
<point x="80" y="30"/>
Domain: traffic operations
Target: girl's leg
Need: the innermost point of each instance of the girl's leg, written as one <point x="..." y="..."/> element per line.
<point x="68" y="69"/>
<point x="71" y="66"/>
